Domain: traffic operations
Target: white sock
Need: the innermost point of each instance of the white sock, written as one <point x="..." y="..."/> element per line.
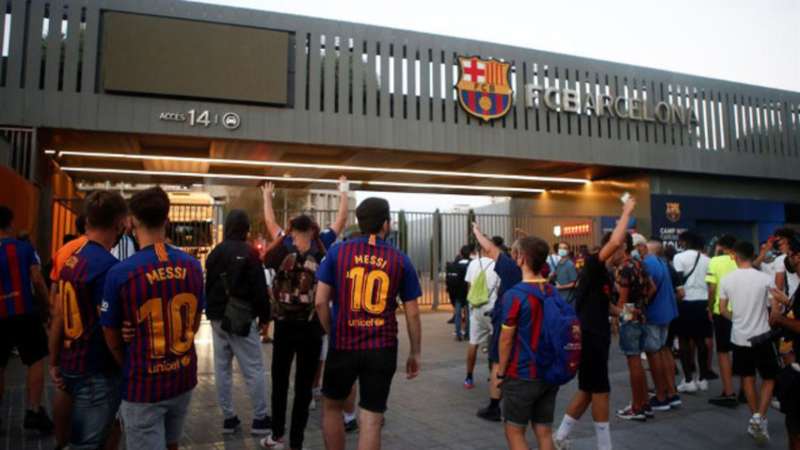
<point x="349" y="417"/>
<point x="603" y="432"/>
<point x="565" y="428"/>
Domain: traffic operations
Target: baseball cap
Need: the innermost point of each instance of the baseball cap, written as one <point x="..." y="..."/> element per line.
<point x="638" y="239"/>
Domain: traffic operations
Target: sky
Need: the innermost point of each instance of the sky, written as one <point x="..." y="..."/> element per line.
<point x="749" y="41"/>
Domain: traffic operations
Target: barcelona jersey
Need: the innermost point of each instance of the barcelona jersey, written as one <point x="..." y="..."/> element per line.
<point x="16" y="292"/>
<point x="160" y="291"/>
<point x="80" y="291"/>
<point x="367" y="278"/>
<point x="522" y="311"/>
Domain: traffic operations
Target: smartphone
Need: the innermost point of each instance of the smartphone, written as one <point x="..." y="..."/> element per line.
<point x="625" y="197"/>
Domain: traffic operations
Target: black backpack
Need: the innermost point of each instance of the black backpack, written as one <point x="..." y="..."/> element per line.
<point x="457" y="288"/>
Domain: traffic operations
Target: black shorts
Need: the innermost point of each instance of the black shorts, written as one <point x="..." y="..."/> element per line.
<point x="793" y="425"/>
<point x="374" y="370"/>
<point x="593" y="371"/>
<point x="761" y="357"/>
<point x="27" y="334"/>
<point x="692" y="321"/>
<point x="722" y="334"/>
<point x="527" y="402"/>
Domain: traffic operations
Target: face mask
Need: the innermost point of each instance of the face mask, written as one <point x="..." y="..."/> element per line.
<point x="563" y="253"/>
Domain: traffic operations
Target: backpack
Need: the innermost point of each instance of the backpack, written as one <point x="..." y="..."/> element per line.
<point x="294" y="284"/>
<point x="558" y="353"/>
<point x="479" y="292"/>
<point x="456" y="286"/>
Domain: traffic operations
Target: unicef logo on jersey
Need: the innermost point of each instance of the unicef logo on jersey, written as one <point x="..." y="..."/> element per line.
<point x="104" y="306"/>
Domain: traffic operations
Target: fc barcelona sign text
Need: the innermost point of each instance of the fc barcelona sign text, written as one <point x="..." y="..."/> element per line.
<point x="484" y="91"/>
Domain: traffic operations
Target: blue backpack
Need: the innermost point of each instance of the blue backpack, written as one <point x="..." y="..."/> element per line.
<point x="558" y="353"/>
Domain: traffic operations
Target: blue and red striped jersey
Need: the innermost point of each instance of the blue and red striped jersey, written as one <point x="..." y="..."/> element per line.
<point x="367" y="278"/>
<point x="160" y="291"/>
<point x="16" y="292"/>
<point x="523" y="312"/>
<point x="80" y="289"/>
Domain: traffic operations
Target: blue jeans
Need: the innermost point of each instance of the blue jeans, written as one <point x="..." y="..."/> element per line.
<point x="154" y="425"/>
<point x="460" y="307"/>
<point x="636" y="337"/>
<point x="95" y="401"/>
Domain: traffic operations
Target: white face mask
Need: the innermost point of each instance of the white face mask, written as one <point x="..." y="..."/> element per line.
<point x="563" y="253"/>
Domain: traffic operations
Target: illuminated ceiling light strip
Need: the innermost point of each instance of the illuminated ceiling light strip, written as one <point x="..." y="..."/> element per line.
<point x="323" y="166"/>
<point x="49" y="152"/>
<point x="230" y="176"/>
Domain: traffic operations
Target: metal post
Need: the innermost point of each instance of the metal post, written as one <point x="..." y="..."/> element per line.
<point x="437" y="256"/>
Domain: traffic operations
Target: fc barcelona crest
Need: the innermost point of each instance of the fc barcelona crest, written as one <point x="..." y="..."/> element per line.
<point x="484" y="87"/>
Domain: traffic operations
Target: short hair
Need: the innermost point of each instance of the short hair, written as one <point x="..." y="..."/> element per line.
<point x="68" y="238"/>
<point x="466" y="251"/>
<point x="6" y="217"/>
<point x="102" y="209"/>
<point x="535" y="252"/>
<point x="80" y="222"/>
<point x="372" y="213"/>
<point x="744" y="250"/>
<point x="785" y="232"/>
<point x="692" y="240"/>
<point x="301" y="223"/>
<point x="498" y="241"/>
<point x="150" y="207"/>
<point x="727" y="241"/>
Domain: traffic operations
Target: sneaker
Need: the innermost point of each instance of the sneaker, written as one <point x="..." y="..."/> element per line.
<point x="742" y="398"/>
<point x="648" y="412"/>
<point x="37" y="421"/>
<point x="261" y="427"/>
<point x="490" y="414"/>
<point x="675" y="401"/>
<point x="776" y="404"/>
<point x="451" y="320"/>
<point x="272" y="444"/>
<point x="566" y="444"/>
<point x="702" y="385"/>
<point x="229" y="426"/>
<point x="630" y="414"/>
<point x="659" y="405"/>
<point x="469" y="383"/>
<point x="687" y="387"/>
<point x="351" y="426"/>
<point x="728" y="401"/>
<point x="757" y="428"/>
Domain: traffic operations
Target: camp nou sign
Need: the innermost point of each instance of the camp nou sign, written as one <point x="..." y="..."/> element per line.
<point x="484" y="91"/>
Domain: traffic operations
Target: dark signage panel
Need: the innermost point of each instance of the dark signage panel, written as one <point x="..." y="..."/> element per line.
<point x="186" y="58"/>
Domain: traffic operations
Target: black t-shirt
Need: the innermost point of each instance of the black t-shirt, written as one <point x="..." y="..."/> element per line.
<point x="593" y="295"/>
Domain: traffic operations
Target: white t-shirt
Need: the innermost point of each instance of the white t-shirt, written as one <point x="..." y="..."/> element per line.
<point x="747" y="292"/>
<point x="492" y="280"/>
<point x="779" y="268"/>
<point x="695" y="287"/>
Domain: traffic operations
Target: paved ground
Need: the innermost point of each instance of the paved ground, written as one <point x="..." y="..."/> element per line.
<point x="434" y="412"/>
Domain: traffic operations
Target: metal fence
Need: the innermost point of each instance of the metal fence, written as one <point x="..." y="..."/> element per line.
<point x="431" y="239"/>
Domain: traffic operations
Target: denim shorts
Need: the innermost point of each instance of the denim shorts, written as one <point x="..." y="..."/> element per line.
<point x="154" y="425"/>
<point x="636" y="337"/>
<point x="95" y="401"/>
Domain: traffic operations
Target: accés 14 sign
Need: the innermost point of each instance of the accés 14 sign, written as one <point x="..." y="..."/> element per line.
<point x="204" y="118"/>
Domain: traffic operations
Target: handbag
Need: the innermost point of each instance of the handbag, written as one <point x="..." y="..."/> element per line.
<point x="238" y="316"/>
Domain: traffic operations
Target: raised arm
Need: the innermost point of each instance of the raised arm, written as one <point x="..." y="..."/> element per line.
<point x="269" y="212"/>
<point x="618" y="235"/>
<point x="489" y="249"/>
<point x="344" y="205"/>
